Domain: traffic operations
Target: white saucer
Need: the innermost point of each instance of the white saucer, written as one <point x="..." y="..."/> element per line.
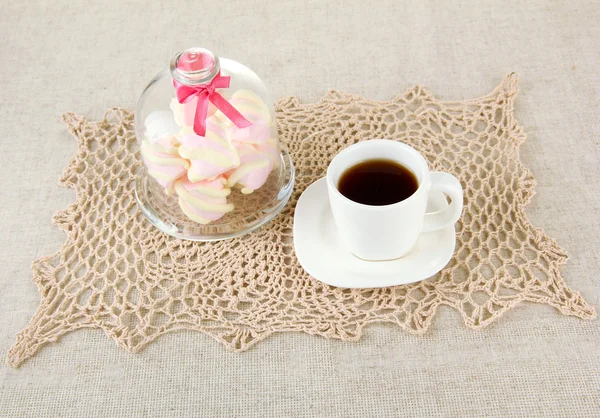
<point x="322" y="254"/>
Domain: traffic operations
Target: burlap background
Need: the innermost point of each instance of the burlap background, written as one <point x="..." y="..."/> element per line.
<point x="86" y="57"/>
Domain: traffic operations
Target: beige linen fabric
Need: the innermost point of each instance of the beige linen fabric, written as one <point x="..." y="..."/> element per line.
<point x="87" y="57"/>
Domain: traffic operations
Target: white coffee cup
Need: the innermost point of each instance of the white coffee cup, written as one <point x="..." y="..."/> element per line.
<point x="377" y="233"/>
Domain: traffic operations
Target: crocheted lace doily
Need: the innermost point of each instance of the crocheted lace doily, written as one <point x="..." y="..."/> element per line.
<point x="117" y="273"/>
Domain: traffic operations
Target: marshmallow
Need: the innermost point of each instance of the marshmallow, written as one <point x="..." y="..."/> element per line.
<point x="163" y="162"/>
<point x="204" y="201"/>
<point x="253" y="170"/>
<point x="211" y="155"/>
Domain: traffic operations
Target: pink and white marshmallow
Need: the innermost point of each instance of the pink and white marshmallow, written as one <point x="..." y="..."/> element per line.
<point x="210" y="155"/>
<point x="204" y="201"/>
<point x="163" y="162"/>
<point x="256" y="111"/>
<point x="253" y="170"/>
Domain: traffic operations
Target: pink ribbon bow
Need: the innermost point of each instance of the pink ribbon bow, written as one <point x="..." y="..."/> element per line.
<point x="206" y="93"/>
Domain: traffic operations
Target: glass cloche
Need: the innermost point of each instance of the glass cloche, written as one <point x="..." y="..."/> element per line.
<point x="213" y="167"/>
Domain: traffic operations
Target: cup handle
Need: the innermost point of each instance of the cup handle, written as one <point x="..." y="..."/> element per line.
<point x="449" y="185"/>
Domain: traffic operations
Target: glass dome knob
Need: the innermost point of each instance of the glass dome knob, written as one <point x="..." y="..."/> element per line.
<point x="195" y="66"/>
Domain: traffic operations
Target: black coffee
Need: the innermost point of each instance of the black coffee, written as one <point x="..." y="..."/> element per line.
<point x="378" y="182"/>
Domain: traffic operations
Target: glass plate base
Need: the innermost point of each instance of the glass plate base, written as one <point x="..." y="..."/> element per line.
<point x="251" y="211"/>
